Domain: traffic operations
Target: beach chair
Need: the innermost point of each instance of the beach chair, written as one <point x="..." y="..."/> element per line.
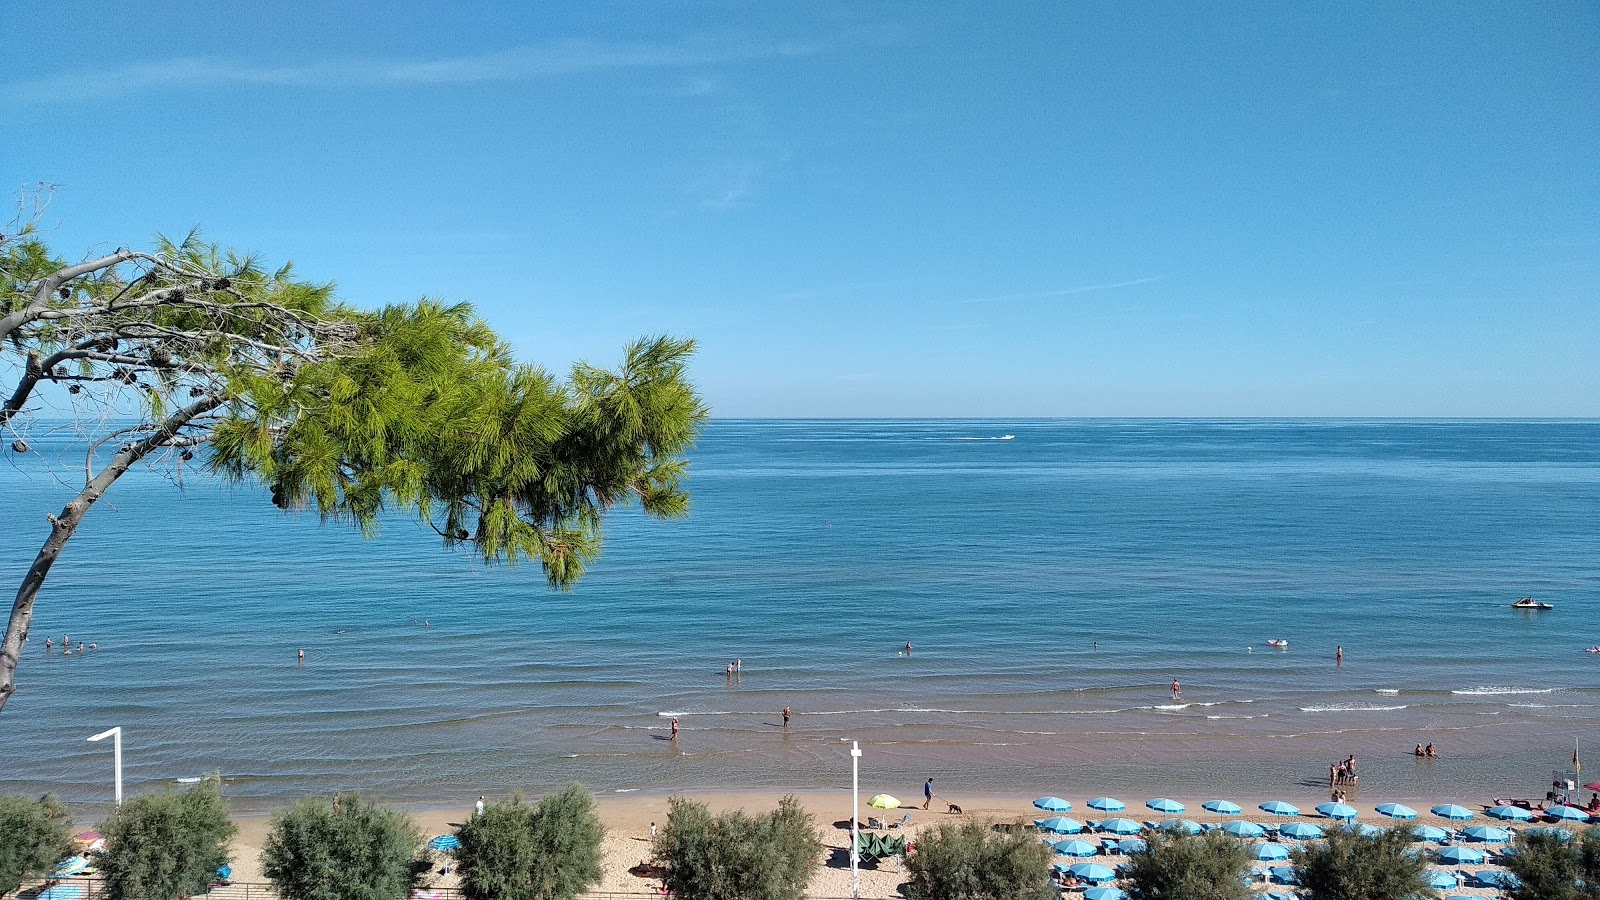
<point x="874" y="822"/>
<point x="902" y="823"/>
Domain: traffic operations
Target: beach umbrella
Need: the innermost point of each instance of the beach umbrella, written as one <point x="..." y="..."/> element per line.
<point x="1396" y="811"/>
<point x="445" y="842"/>
<point x="1183" y="825"/>
<point x="1561" y="834"/>
<point x="1459" y="856"/>
<point x="1567" y="814"/>
<point x="87" y="837"/>
<point x="1092" y="872"/>
<point x="61" y="892"/>
<point x="1300" y="831"/>
<point x="1341" y="811"/>
<point x="1429" y="833"/>
<point x="1163" y="805"/>
<point x="1052" y="804"/>
<point x="1108" y="804"/>
<point x="1075" y="848"/>
<point x="1362" y="829"/>
<point x="1284" y="874"/>
<point x="1280" y="895"/>
<point x="1244" y="829"/>
<point x="1222" y="807"/>
<point x="72" y="865"/>
<point x="1487" y="834"/>
<point x="1452" y="812"/>
<point x="1279" y="808"/>
<point x="1121" y="826"/>
<point x="1269" y="852"/>
<point x="1511" y="814"/>
<point x="225" y="871"/>
<point x="1104" y="893"/>
<point x="1495" y="878"/>
<point x="1131" y="845"/>
<point x="1058" y="825"/>
<point x="883" y="801"/>
<point x="1439" y="879"/>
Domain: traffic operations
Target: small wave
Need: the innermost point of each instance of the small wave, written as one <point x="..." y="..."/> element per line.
<point x="1390" y="691"/>
<point x="624" y="790"/>
<point x="1349" y="707"/>
<point x="705" y="712"/>
<point x="1546" y="705"/>
<point x="1262" y="716"/>
<point x="1493" y="690"/>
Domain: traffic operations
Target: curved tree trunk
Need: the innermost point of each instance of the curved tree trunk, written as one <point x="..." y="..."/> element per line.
<point x="65" y="525"/>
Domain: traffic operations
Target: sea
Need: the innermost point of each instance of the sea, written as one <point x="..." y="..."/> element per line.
<point x="1052" y="577"/>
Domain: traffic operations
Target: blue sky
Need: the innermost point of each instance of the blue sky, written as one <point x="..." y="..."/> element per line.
<point x="885" y="209"/>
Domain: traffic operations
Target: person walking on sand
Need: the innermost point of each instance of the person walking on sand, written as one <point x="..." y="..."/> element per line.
<point x="477" y="808"/>
<point x="927" y="794"/>
<point x="786" y="718"/>
<point x="652" y="831"/>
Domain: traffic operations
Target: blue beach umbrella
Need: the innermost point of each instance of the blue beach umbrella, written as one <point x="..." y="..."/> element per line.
<point x="1567" y="814"/>
<point x="1104" y="893"/>
<point x="1092" y="872"/>
<point x="1075" y="848"/>
<point x="1222" y="807"/>
<point x="1284" y="874"/>
<point x="1495" y="878"/>
<point x="1108" y="804"/>
<point x="1058" y="825"/>
<point x="225" y="872"/>
<point x="1429" y="833"/>
<point x="72" y="865"/>
<point x="1269" y="852"/>
<point x="1183" y="825"/>
<point x="1342" y="811"/>
<point x="1163" y="805"/>
<point x="62" y="892"/>
<point x="1452" y="812"/>
<point x="1300" y="831"/>
<point x="1280" y="895"/>
<point x="445" y="842"/>
<point x="1121" y="826"/>
<point x="1510" y="814"/>
<point x="1396" y="811"/>
<point x="1487" y="834"/>
<point x="1362" y="829"/>
<point x="1279" y="808"/>
<point x="1561" y="834"/>
<point x="1132" y="845"/>
<point x="1244" y="829"/>
<point x="1439" y="879"/>
<point x="1459" y="856"/>
<point x="1052" y="804"/>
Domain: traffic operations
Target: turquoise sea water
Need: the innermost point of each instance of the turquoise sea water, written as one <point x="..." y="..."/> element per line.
<point x="815" y="551"/>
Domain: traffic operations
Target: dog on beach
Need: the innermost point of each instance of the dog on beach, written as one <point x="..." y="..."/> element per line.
<point x="955" y="809"/>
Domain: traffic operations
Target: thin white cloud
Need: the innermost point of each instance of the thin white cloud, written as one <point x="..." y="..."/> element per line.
<point x="516" y="64"/>
<point x="1061" y="292"/>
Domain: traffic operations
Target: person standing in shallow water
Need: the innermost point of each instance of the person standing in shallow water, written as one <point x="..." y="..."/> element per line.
<point x="786" y="718"/>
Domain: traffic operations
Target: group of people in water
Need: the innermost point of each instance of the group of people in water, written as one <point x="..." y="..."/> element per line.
<point x="1427" y="752"/>
<point x="1343" y="773"/>
<point x="66" y="646"/>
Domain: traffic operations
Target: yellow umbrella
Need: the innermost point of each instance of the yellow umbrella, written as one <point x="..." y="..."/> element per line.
<point x="883" y="801"/>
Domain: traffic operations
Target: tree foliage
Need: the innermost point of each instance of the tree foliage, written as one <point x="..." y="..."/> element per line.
<point x="167" y="845"/>
<point x="35" y="835"/>
<point x="969" y="861"/>
<point x="517" y="851"/>
<point x="413" y="408"/>
<point x="1179" y="866"/>
<point x="359" y="850"/>
<point x="1348" y="865"/>
<point x="736" y="856"/>
<point x="1551" y="867"/>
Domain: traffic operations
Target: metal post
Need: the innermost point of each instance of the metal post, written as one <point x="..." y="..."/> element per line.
<point x="116" y="754"/>
<point x="855" y="819"/>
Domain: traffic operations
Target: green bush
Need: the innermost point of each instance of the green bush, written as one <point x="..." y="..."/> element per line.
<point x="735" y="856"/>
<point x="35" y="835"/>
<point x="165" y="846"/>
<point x="1178" y="866"/>
<point x="514" y="851"/>
<point x="1347" y="865"/>
<point x="970" y="861"/>
<point x="359" y="850"/>
<point x="1552" y="868"/>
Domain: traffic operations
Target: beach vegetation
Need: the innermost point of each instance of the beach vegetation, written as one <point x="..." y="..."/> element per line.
<point x="166" y="845"/>
<point x="738" y="856"/>
<point x="191" y="357"/>
<point x="1348" y="865"/>
<point x="1551" y="867"/>
<point x="968" y="860"/>
<point x="35" y="836"/>
<point x="520" y="851"/>
<point x="1177" y="866"/>
<point x="353" y="850"/>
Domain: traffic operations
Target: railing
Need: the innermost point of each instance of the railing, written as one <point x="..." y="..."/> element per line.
<point x="94" y="889"/>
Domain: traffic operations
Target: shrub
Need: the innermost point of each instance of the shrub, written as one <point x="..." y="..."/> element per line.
<point x="1350" y="866"/>
<point x="970" y="861"/>
<point x="1553" y="868"/>
<point x="1178" y="866"/>
<point x="35" y="835"/>
<point x="514" y="851"/>
<point x="359" y="850"/>
<point x="167" y="845"/>
<point x="735" y="856"/>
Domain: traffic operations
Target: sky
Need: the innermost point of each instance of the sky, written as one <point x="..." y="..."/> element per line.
<point x="883" y="209"/>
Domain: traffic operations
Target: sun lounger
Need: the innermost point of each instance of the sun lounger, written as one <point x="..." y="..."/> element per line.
<point x="902" y="823"/>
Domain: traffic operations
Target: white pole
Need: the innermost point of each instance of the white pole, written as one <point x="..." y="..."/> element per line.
<point x="855" y="818"/>
<point x="116" y="755"/>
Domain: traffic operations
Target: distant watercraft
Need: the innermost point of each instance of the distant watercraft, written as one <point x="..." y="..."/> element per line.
<point x="1280" y="643"/>
<point x="1530" y="603"/>
<point x="1008" y="437"/>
